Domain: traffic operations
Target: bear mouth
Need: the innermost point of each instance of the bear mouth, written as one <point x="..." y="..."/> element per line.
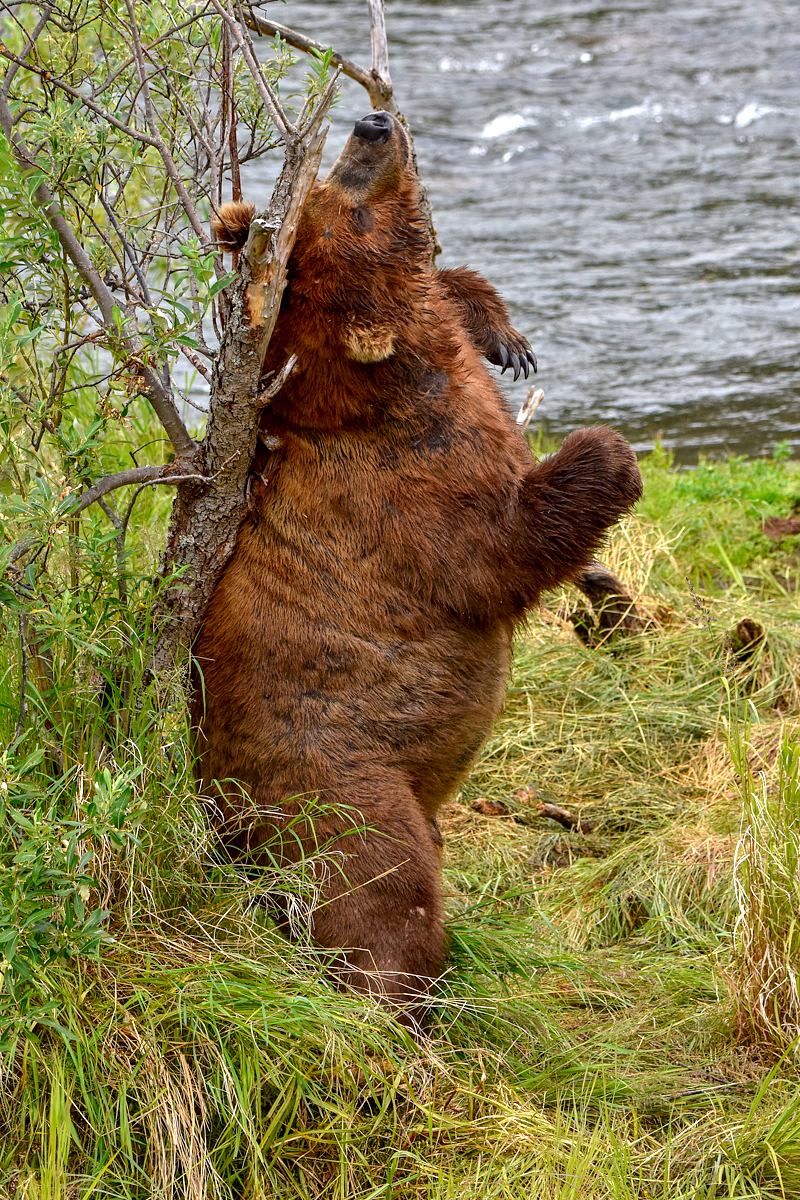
<point x="375" y="128"/>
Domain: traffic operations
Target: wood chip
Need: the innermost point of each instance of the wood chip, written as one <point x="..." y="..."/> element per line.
<point x="489" y="808"/>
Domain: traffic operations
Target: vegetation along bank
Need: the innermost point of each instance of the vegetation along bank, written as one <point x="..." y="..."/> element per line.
<point x="620" y="1016"/>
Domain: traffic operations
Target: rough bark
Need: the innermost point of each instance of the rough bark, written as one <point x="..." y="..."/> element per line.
<point x="207" y="512"/>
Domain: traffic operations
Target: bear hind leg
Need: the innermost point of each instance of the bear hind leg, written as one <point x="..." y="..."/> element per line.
<point x="381" y="909"/>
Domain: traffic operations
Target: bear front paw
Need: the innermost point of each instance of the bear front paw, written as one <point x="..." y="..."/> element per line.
<point x="570" y="500"/>
<point x="507" y="348"/>
<point x="485" y="319"/>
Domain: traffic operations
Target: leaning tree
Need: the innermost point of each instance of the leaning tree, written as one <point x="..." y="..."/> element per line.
<point x="124" y="127"/>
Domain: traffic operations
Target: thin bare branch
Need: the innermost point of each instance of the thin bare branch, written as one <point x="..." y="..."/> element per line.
<point x="169" y="473"/>
<point x="110" y="483"/>
<point x="145" y="474"/>
<point x="108" y="510"/>
<point x="270" y="100"/>
<point x="129" y="251"/>
<point x="32" y="40"/>
<point x="300" y="42"/>
<point x="532" y="401"/>
<point x="196" y="362"/>
<point x="23" y="692"/>
<point x="270" y="392"/>
<point x="157" y="140"/>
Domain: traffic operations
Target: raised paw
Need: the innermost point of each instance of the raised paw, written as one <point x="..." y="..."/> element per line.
<point x="606" y="464"/>
<point x="485" y="319"/>
<point x="507" y="348"/>
<point x="569" y="501"/>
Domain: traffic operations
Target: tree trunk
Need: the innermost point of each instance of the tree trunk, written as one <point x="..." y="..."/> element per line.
<point x="207" y="512"/>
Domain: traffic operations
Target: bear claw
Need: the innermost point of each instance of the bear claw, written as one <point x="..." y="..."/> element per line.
<point x="520" y="359"/>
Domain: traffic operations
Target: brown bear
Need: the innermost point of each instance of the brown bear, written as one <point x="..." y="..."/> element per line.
<point x="355" y="652"/>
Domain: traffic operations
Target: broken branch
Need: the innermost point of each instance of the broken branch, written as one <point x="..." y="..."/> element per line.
<point x="382" y="82"/>
<point x="565" y="818"/>
<point x="532" y="401"/>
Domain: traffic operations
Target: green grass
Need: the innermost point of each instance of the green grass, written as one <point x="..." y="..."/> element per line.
<point x="600" y="1032"/>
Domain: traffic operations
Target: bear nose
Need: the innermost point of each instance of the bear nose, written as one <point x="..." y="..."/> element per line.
<point x="377" y="127"/>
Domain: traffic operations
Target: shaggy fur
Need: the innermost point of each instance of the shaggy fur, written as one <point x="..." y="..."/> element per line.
<point x="358" y="644"/>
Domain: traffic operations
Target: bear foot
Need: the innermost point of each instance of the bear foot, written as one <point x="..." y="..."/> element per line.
<point x="614" y="610"/>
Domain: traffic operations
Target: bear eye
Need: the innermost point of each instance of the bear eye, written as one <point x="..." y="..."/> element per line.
<point x="363" y="219"/>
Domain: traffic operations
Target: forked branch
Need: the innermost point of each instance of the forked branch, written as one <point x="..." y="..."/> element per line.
<point x="169" y="473"/>
<point x="379" y="87"/>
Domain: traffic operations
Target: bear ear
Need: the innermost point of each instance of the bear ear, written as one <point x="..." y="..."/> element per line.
<point x="231" y="224"/>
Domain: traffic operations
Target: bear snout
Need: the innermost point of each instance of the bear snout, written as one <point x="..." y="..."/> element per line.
<point x="376" y="127"/>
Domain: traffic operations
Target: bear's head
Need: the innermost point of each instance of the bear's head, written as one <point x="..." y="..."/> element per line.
<point x="363" y="250"/>
<point x="360" y="277"/>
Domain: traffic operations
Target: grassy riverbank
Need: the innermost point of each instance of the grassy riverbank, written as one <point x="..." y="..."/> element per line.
<point x="620" y="1012"/>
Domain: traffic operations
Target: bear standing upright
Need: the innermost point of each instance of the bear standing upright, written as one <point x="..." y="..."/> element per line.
<point x="357" y="647"/>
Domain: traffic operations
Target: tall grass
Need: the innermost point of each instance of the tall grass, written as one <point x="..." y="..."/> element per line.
<point x="161" y="1039"/>
<point x="767" y="883"/>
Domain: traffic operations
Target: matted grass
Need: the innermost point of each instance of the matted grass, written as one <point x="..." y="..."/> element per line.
<point x="590" y="1039"/>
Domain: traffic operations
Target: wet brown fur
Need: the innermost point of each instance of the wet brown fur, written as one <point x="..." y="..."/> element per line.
<point x="358" y="645"/>
<point x="231" y="225"/>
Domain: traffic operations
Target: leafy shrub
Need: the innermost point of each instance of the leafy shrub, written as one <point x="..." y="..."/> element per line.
<point x="51" y="844"/>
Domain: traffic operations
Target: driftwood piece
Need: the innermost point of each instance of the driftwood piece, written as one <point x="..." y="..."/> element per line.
<point x="565" y="818"/>
<point x="527" y="795"/>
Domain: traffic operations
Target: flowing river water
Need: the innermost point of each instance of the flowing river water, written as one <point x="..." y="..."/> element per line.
<point x="627" y="175"/>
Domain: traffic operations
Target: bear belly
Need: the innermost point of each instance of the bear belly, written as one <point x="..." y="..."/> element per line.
<point x="310" y="681"/>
